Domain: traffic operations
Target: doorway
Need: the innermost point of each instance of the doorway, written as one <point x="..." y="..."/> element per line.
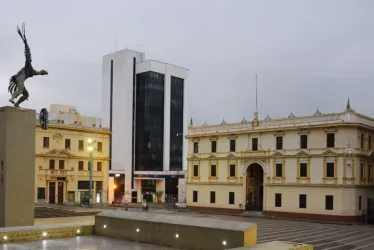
<point x="171" y="190"/>
<point x="52" y="193"/>
<point x="254" y="188"/>
<point x="149" y="190"/>
<point x="60" y="192"/>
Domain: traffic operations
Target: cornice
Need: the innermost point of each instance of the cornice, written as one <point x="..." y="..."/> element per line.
<point x="269" y="130"/>
<point x="74" y="128"/>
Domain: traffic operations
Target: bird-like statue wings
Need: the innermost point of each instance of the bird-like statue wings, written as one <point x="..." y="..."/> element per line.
<point x="27" y="69"/>
<point x="27" y="48"/>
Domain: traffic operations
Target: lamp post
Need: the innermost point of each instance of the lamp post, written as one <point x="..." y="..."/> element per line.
<point x="90" y="149"/>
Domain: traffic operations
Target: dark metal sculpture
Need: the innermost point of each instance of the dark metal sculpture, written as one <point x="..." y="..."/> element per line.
<point x="17" y="82"/>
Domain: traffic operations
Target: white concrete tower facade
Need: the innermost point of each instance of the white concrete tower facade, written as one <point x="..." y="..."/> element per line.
<point x="145" y="105"/>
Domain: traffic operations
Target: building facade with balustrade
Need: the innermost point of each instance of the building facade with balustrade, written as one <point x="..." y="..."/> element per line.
<point x="317" y="167"/>
<point x="62" y="163"/>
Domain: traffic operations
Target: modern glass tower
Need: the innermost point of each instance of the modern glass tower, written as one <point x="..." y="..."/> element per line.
<point x="145" y="106"/>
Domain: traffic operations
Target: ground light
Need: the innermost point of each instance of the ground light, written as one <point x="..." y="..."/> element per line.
<point x="176" y="235"/>
<point x="44" y="234"/>
<point x="104" y="226"/>
<point x="5" y="237"/>
<point x="78" y="231"/>
<point x="137" y="230"/>
<point x="224" y="243"/>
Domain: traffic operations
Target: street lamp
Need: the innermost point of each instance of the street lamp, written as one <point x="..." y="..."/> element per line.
<point x="90" y="149"/>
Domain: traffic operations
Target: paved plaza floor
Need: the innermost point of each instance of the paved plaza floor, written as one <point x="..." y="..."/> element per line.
<point x="321" y="236"/>
<point x="82" y="243"/>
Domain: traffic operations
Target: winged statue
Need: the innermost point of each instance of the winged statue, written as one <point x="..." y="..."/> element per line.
<point x="17" y="81"/>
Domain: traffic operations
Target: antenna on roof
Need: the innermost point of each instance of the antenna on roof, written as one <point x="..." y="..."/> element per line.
<point x="115" y="43"/>
<point x="256" y="95"/>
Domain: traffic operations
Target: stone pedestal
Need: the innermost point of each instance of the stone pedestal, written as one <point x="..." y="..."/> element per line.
<point x="17" y="166"/>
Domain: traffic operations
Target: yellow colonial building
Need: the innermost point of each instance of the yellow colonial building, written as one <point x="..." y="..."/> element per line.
<point x="62" y="160"/>
<point x="313" y="167"/>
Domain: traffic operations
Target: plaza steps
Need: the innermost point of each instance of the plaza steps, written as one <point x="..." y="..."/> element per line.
<point x="51" y="212"/>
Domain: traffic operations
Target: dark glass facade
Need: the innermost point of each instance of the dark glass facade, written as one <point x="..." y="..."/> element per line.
<point x="149" y="121"/>
<point x="176" y="122"/>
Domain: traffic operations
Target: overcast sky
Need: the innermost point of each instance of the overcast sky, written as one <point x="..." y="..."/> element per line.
<point x="307" y="54"/>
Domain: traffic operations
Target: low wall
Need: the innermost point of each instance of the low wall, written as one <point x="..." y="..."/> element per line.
<point x="31" y="233"/>
<point x="277" y="245"/>
<point x="175" y="231"/>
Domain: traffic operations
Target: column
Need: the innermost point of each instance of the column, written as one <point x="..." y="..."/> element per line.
<point x="17" y="166"/>
<point x="167" y="89"/>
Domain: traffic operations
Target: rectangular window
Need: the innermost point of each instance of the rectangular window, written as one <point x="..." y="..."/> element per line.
<point x="51" y="164"/>
<point x="362" y="141"/>
<point x="213" y="171"/>
<point x="71" y="196"/>
<point x="279" y="143"/>
<point x="303" y="170"/>
<point x="302" y="201"/>
<point x="80" y="165"/>
<point x="329" y="202"/>
<point x="330" y="140"/>
<point x="214" y="146"/>
<point x="194" y="196"/>
<point x="99" y="147"/>
<point x="67" y="143"/>
<point x="195" y="147"/>
<point x="362" y="171"/>
<point x="330" y="169"/>
<point x="303" y="141"/>
<point x="232" y="145"/>
<point x="232" y="170"/>
<point x="278" y="200"/>
<point x="369" y="171"/>
<point x="369" y="142"/>
<point x="231" y="198"/>
<point x="81" y="145"/>
<point x="176" y="122"/>
<point x="45" y="142"/>
<point x="212" y="197"/>
<point x="41" y="193"/>
<point x="99" y="166"/>
<point x="359" y="203"/>
<point x="99" y="185"/>
<point x="196" y="170"/>
<point x="61" y="164"/>
<point x="254" y="144"/>
<point x="279" y="170"/>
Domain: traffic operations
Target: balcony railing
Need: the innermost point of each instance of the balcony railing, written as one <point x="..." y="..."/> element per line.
<point x="56" y="172"/>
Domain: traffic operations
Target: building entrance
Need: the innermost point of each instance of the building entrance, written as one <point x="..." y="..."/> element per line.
<point x="254" y="188"/>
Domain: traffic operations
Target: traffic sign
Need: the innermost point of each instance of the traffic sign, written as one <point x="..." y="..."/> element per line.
<point x="43" y="118"/>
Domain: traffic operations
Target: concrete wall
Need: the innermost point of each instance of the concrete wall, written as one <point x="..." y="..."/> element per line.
<point x="17" y="169"/>
<point x="41" y="232"/>
<point x="175" y="231"/>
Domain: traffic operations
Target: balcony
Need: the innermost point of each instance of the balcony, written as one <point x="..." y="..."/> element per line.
<point x="56" y="172"/>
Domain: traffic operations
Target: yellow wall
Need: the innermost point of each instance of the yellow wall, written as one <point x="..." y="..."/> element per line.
<point x="70" y="175"/>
